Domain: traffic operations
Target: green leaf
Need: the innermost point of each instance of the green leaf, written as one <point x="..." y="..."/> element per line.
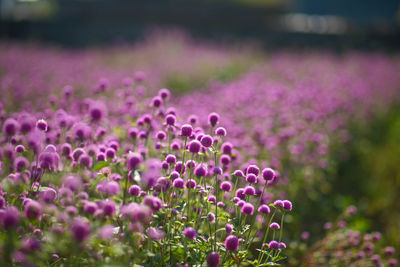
<point x="100" y="165"/>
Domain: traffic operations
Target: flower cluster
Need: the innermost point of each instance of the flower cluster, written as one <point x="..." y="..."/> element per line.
<point x="104" y="180"/>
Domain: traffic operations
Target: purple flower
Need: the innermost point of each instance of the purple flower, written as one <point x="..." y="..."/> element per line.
<point x="179" y="183"/>
<point x="194" y="146"/>
<point x="10" y="217"/>
<point x="156" y="102"/>
<point x="248" y="208"/>
<point x="153" y="203"/>
<point x="207" y="140"/>
<point x="213" y="259"/>
<point x="133" y="160"/>
<point x="273" y="244"/>
<point x="190" y="233"/>
<point x="170" y="119"/>
<point x="264" y="209"/>
<point x="268" y="174"/>
<point x="249" y="190"/>
<point x="220" y="131"/>
<point x="287" y="205"/>
<point x="226" y="186"/>
<point x="191" y="184"/>
<point x="164" y="93"/>
<point x="41" y="125"/>
<point x="231" y="243"/>
<point x="10" y="127"/>
<point x="228" y="228"/>
<point x="186" y="130"/>
<point x="80" y="230"/>
<point x="213" y="119"/>
<point x="274" y="225"/>
<point x="134" y="190"/>
<point x="253" y="169"/>
<point x="251" y="178"/>
<point x="200" y="170"/>
<point x="155" y="234"/>
<point x="33" y="209"/>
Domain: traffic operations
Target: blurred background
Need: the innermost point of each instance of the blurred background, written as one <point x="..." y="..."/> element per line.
<point x="339" y="24"/>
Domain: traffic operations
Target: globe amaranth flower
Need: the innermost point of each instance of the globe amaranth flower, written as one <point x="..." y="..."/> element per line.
<point x="190" y="233"/>
<point x="155" y="234"/>
<point x="193" y="119"/>
<point x="228" y="228"/>
<point x="179" y="167"/>
<point x="274" y="225"/>
<point x="249" y="190"/>
<point x="178" y="183"/>
<point x="220" y="131"/>
<point x="191" y="184"/>
<point x="213" y="259"/>
<point x="33" y="209"/>
<point x="206" y="140"/>
<point x="225" y="160"/>
<point x="194" y="146"/>
<point x="273" y="244"/>
<point x="153" y="203"/>
<point x="253" y="169"/>
<point x="134" y="190"/>
<point x="264" y="209"/>
<point x="49" y="158"/>
<point x="156" y="102"/>
<point x="10" y="217"/>
<point x="200" y="170"/>
<point x="170" y="119"/>
<point x="20" y="163"/>
<point x="186" y="130"/>
<point x="232" y="243"/>
<point x="42" y="125"/>
<point x="287" y="205"/>
<point x="268" y="174"/>
<point x="213" y="119"/>
<point x="80" y="229"/>
<point x="248" y="208"/>
<point x="10" y="127"/>
<point x="238" y="173"/>
<point x="133" y="160"/>
<point x="226" y="186"/>
<point x="240" y="193"/>
<point x="251" y="178"/>
<point x="227" y="148"/>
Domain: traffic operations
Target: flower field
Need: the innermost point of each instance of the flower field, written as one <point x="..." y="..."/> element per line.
<point x="247" y="159"/>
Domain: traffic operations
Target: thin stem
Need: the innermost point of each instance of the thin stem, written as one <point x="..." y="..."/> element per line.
<point x="261" y="255"/>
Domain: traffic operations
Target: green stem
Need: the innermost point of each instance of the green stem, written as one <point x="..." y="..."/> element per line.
<point x="261" y="255"/>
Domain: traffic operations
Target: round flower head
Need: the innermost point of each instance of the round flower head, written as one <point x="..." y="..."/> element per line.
<point x="190" y="233"/>
<point x="213" y="259"/>
<point x="156" y="102"/>
<point x="80" y="230"/>
<point x="213" y="119"/>
<point x="164" y="93"/>
<point x="207" y="140"/>
<point x="134" y="190"/>
<point x="393" y="262"/>
<point x="251" y="178"/>
<point x="179" y="183"/>
<point x="249" y="190"/>
<point x="274" y="225"/>
<point x="90" y="207"/>
<point x="153" y="203"/>
<point x="170" y="119"/>
<point x="287" y="205"/>
<point x="253" y="169"/>
<point x="41" y="125"/>
<point x="278" y="203"/>
<point x="133" y="160"/>
<point x="238" y="173"/>
<point x="33" y="209"/>
<point x="112" y="188"/>
<point x="268" y="174"/>
<point x="193" y="119"/>
<point x="108" y="207"/>
<point x="180" y="168"/>
<point x="133" y="133"/>
<point x="194" y="146"/>
<point x="97" y="111"/>
<point x="212" y="199"/>
<point x="161" y="135"/>
<point x="217" y="171"/>
<point x="231" y="243"/>
<point x="225" y="160"/>
<point x="273" y="244"/>
<point x="228" y="228"/>
<point x="191" y="184"/>
<point x="200" y="170"/>
<point x="248" y="208"/>
<point x="20" y="163"/>
<point x="20" y="149"/>
<point x="264" y="209"/>
<point x="85" y="161"/>
<point x="10" y="217"/>
<point x="10" y="127"/>
<point x="186" y="130"/>
<point x="220" y="131"/>
<point x="226" y="186"/>
<point x="282" y="245"/>
<point x="389" y="251"/>
<point x="211" y="217"/>
<point x="240" y="193"/>
<point x="227" y="148"/>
